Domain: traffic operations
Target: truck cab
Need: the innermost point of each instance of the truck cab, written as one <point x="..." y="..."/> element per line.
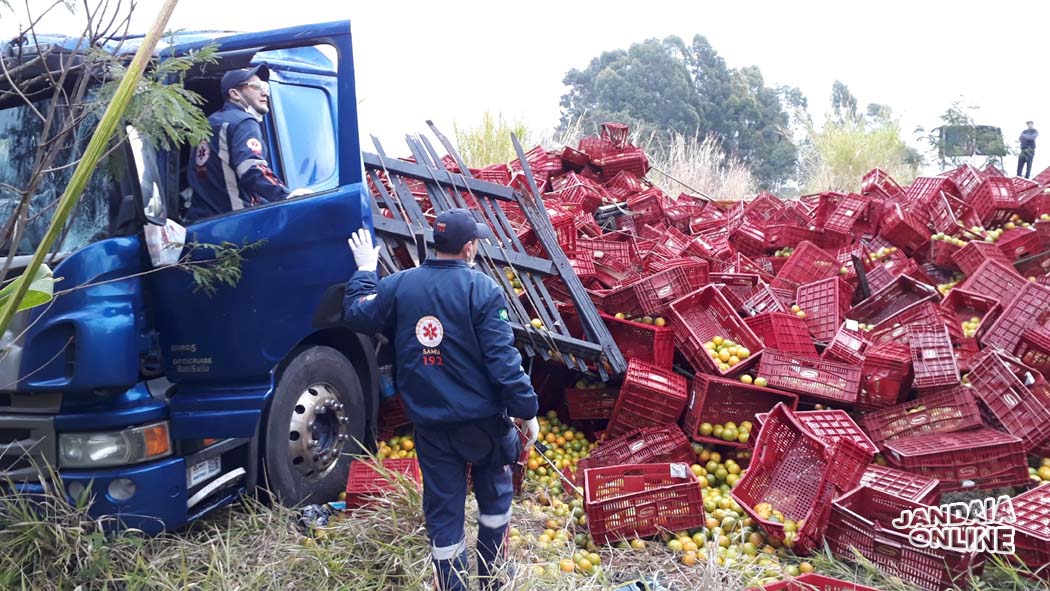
<point x="156" y="400"/>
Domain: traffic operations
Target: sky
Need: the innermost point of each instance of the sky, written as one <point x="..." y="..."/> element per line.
<point x="451" y="61"/>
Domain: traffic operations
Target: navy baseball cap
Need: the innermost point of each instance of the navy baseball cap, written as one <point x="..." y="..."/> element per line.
<point x="456" y="227"/>
<point x="235" y="78"/>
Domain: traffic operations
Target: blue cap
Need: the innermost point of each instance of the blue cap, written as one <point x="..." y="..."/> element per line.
<point x="456" y="227"/>
<point x="235" y="78"/>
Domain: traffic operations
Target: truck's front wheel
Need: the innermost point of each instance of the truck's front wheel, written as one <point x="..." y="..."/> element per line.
<point x="316" y="418"/>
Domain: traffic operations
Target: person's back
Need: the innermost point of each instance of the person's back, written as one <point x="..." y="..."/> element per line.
<point x="460" y="378"/>
<point x="443" y="370"/>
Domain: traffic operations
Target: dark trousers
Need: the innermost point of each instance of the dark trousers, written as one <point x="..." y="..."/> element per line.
<point x="1025" y="161"/>
<point x="443" y="458"/>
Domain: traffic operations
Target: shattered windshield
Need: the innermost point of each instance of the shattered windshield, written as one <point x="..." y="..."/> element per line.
<point x="20" y="129"/>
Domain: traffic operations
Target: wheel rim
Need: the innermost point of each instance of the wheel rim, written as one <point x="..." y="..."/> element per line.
<point x="317" y="431"/>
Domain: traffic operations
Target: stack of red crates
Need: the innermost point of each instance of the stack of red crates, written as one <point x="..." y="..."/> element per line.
<point x="861" y="522"/>
<point x="641" y="500"/>
<point x="980" y="458"/>
<point x="650" y="397"/>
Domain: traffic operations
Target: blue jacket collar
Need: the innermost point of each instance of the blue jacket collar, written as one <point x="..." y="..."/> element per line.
<point x="448" y="263"/>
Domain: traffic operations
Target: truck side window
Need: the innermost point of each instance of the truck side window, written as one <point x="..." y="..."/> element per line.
<point x="306" y="136"/>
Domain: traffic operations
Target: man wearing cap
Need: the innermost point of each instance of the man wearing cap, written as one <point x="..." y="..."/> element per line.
<point x="460" y="378"/>
<point x="231" y="171"/>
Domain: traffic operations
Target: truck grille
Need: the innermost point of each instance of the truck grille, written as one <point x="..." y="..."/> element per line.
<point x="27" y="446"/>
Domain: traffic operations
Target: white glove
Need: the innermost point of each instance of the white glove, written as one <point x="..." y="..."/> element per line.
<point x="299" y="192"/>
<point x="365" y="255"/>
<point x="532" y="426"/>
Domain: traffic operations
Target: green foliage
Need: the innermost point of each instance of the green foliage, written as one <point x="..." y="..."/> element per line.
<point x="162" y="110"/>
<point x="41" y="289"/>
<point x="661" y="88"/>
<point x="849" y="145"/>
<point x="644" y="86"/>
<point x="489" y="141"/>
<point x="224" y="267"/>
<point x="694" y="165"/>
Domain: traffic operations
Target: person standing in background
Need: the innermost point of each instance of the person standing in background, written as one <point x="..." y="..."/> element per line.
<point x="1024" y="160"/>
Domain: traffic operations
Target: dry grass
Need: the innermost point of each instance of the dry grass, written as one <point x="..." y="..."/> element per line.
<point x="488" y="142"/>
<point x="696" y="165"/>
<point x="840" y="154"/>
<point x="383" y="547"/>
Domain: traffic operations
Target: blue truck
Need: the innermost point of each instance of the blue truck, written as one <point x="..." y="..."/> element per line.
<point x="162" y="403"/>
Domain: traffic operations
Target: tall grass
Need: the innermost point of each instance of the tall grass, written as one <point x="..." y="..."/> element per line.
<point x="488" y="142"/>
<point x="50" y="544"/>
<point x="839" y="154"/>
<point x="692" y="164"/>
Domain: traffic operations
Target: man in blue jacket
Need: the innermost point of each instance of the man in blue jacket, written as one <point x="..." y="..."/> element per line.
<point x="231" y="170"/>
<point x="460" y="378"/>
<point x="1027" y="149"/>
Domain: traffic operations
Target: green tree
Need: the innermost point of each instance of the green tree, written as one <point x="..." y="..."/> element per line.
<point x="843" y="103"/>
<point x="644" y="86"/>
<point x="670" y="86"/>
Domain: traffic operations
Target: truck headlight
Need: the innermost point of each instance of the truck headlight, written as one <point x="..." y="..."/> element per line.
<point x="114" y="448"/>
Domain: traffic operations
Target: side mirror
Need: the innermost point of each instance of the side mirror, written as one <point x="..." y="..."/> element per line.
<point x="145" y="155"/>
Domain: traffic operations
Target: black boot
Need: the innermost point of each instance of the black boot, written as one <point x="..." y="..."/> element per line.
<point x="452" y="574"/>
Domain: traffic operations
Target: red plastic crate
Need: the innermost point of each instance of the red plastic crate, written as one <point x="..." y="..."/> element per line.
<point x="391" y="416"/>
<point x="944" y="412"/>
<point x="848" y="212"/>
<point x="896" y="298"/>
<point x="1032" y="535"/>
<point x="808" y="263"/>
<point x="996" y="280"/>
<point x="970" y="257"/>
<point x="994" y="200"/>
<point x="1021" y="242"/>
<point x="825" y="303"/>
<point x="895" y="329"/>
<point x="886" y="376"/>
<point x="932" y="357"/>
<point x="960" y="306"/>
<point x="901" y="484"/>
<point x="861" y="522"/>
<point x="831" y="426"/>
<point x="702" y="315"/>
<point x="656" y="291"/>
<point x="719" y="400"/>
<point x="764" y="299"/>
<point x="1015" y="395"/>
<point x="365" y="481"/>
<point x="641" y="500"/>
<point x="925" y="186"/>
<point x="1034" y="349"/>
<point x="645" y="342"/>
<point x="1028" y="309"/>
<point x="814" y="582"/>
<point x="878" y="183"/>
<point x="651" y="445"/>
<point x="815" y="380"/>
<point x="649" y="397"/>
<point x="783" y="331"/>
<point x="849" y="345"/>
<point x="736" y="287"/>
<point x="591" y="404"/>
<point x="980" y="458"/>
<point x="785" y="450"/>
<point x="903" y="229"/>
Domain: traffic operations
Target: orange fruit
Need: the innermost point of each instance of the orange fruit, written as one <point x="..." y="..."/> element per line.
<point x="407" y="445"/>
<point x="566" y="565"/>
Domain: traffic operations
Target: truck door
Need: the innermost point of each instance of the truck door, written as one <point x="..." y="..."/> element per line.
<point x="221" y="349"/>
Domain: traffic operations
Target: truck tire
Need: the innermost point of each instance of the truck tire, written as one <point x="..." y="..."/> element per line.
<point x="315" y="423"/>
